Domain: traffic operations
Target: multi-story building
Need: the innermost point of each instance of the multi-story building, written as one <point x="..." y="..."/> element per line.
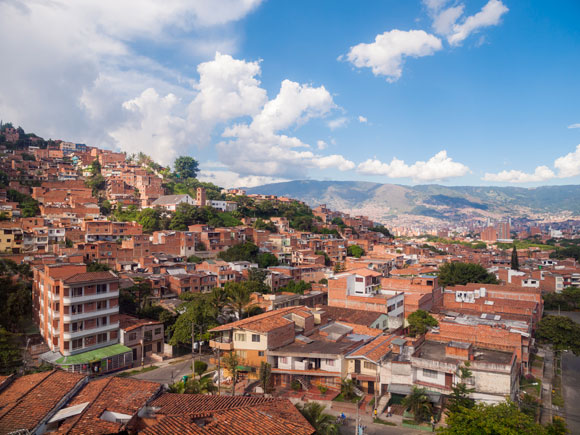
<point x="77" y="312"/>
<point x="143" y="336"/>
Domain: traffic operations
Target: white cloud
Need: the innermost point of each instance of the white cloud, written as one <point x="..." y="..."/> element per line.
<point x="321" y="145"/>
<point x="362" y="119"/>
<point x="489" y="15"/>
<point x="386" y="55"/>
<point x="574" y="125"/>
<point x="261" y="148"/>
<point x="566" y="166"/>
<point x="542" y="173"/>
<point x="438" y="167"/>
<point x="444" y="21"/>
<point x="333" y="124"/>
<point x="230" y="179"/>
<point x="90" y="60"/>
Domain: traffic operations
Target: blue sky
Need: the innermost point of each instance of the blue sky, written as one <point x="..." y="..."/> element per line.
<point x="472" y="92"/>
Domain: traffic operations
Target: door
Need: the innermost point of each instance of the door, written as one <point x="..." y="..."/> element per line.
<point x="357" y="366"/>
<point x="371" y="387"/>
<point x="448" y="380"/>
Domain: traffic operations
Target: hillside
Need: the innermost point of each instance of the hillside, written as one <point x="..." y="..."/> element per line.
<point x="385" y="201"/>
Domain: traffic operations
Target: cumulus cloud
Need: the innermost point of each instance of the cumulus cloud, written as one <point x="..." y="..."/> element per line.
<point x="489" y="15"/>
<point x="438" y="167"/>
<point x="386" y="55"/>
<point x="91" y="60"/>
<point x="333" y="124"/>
<point x="321" y="145"/>
<point x="448" y="19"/>
<point x="261" y="147"/>
<point x="566" y="166"/>
<point x="362" y="119"/>
<point x="542" y="173"/>
<point x="230" y="179"/>
<point x="574" y="125"/>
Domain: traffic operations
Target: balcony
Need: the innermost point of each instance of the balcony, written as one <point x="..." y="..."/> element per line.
<point x="222" y="343"/>
<point x="88" y="314"/>
<point x="67" y="300"/>
<point x="81" y="333"/>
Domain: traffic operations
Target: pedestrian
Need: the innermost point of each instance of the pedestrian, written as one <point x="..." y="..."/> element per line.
<point x="389" y="411"/>
<point x="375" y="412"/>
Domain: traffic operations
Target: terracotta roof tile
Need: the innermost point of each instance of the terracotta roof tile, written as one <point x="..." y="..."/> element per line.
<point x="27" y="400"/>
<point x="262" y="322"/>
<point x="90" y="276"/>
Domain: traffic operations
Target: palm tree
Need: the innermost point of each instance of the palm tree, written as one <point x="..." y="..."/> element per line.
<point x="219" y="298"/>
<point x="324" y="424"/>
<point x="417" y="402"/>
<point x="347" y="388"/>
<point x="239" y="297"/>
<point x="204" y="385"/>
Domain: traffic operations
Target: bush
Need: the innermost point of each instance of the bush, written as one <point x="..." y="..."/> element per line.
<point x="295" y="385"/>
<point x="323" y="389"/>
<point x="199" y="367"/>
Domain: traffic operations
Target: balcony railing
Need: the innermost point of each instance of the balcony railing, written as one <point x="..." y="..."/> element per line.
<point x="81" y="333"/>
<point x="222" y="343"/>
<point x="86" y="298"/>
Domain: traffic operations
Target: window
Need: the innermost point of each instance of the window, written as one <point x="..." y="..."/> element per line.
<point x="256" y="338"/>
<point x="399" y="304"/>
<point x="133" y="336"/>
<point x="430" y="373"/>
<point x="77" y="326"/>
<point x="240" y="337"/>
<point x="77" y="343"/>
<point x="76" y="292"/>
<point x="101" y="305"/>
<point x="283" y="360"/>
<point x="76" y="309"/>
<point x="102" y="321"/>
<point x="101" y="338"/>
<point x="101" y="288"/>
<point x="157" y="331"/>
<point x="148" y="335"/>
<point x="148" y="348"/>
<point x="368" y="365"/>
<point x="330" y="362"/>
<point x="384" y="323"/>
<point x="261" y="353"/>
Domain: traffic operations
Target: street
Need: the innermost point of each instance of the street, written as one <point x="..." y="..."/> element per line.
<point x="171" y="372"/>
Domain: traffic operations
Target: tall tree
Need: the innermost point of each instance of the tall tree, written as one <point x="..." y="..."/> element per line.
<point x="515" y="265"/>
<point x="460" y="396"/>
<point x="186" y="167"/>
<point x="265" y="376"/>
<point x="561" y="331"/>
<point x="239" y="297"/>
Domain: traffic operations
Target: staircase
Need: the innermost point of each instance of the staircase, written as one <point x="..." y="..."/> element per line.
<point x="358" y="391"/>
<point x="304" y="381"/>
<point x="383" y="400"/>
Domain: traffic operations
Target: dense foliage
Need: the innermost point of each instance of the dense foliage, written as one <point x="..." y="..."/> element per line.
<point x="419" y="322"/>
<point x="451" y="274"/>
<point x="186" y="167"/>
<point x="27" y="204"/>
<point x="355" y="251"/>
<point x="560" y="331"/>
<point x="323" y="424"/>
<point x="568" y="300"/>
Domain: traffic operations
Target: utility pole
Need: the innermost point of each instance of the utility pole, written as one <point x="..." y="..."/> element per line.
<point x="219" y="371"/>
<point x="192" y="347"/>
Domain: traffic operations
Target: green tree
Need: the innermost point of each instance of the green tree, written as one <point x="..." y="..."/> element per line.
<point x="246" y="251"/>
<point x="186" y="167"/>
<point x="460" y="396"/>
<point x="515" y="264"/>
<point x="265" y="376"/>
<point x="567" y="300"/>
<point x="150" y="219"/>
<point x="452" y="274"/>
<point x="417" y="403"/>
<point x="198" y="311"/>
<point x="231" y="362"/>
<point x="561" y="331"/>
<point x="347" y="388"/>
<point x="503" y="418"/>
<point x="327" y="260"/>
<point x="419" y="322"/>
<point x="323" y="424"/>
<point x="203" y="385"/>
<point x="239" y="297"/>
<point x="10" y="353"/>
<point x="95" y="266"/>
<point x="355" y="251"/>
<point x="199" y="368"/>
<point x="266" y="259"/>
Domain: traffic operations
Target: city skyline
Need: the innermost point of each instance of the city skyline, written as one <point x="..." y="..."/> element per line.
<point x="448" y="92"/>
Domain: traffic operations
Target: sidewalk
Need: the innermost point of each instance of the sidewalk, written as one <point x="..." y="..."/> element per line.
<point x="547" y="377"/>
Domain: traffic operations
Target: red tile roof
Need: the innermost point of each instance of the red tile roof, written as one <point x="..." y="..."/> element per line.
<point x="263" y="322"/>
<point x="128" y="323"/>
<point x="217" y="415"/>
<point x="27" y="400"/>
<point x="90" y="276"/>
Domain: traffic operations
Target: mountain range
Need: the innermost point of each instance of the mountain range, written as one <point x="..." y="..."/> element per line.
<point x="387" y="201"/>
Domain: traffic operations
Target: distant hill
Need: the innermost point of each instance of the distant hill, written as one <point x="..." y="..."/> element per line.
<point x="384" y="201"/>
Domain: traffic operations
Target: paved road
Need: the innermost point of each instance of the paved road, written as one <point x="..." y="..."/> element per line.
<point x="170" y="373"/>
<point x="571" y="381"/>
